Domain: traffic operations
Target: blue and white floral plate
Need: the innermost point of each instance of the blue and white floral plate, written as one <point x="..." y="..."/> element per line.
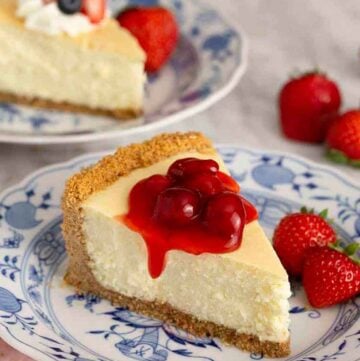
<point x="208" y="63"/>
<point x="44" y="318"/>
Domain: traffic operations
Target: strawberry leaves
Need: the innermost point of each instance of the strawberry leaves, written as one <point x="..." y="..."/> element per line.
<point x="339" y="157"/>
<point x="351" y="250"/>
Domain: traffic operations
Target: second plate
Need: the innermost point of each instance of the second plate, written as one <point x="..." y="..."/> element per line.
<point x="208" y="62"/>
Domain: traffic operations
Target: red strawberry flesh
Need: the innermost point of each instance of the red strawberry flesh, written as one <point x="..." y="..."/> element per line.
<point x="156" y="30"/>
<point x="94" y="10"/>
<point x="344" y="135"/>
<point x="295" y="234"/>
<point x="308" y="104"/>
<point x="330" y="277"/>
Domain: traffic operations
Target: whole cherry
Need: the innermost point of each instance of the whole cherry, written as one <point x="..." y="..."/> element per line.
<point x="152" y="186"/>
<point x="189" y="166"/>
<point x="157" y="183"/>
<point x="177" y="205"/>
<point x="205" y="183"/>
<point x="225" y="215"/>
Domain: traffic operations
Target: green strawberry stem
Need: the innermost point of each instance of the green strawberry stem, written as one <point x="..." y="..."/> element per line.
<point x="351" y="250"/>
<point x="340" y="157"/>
<point x="323" y="214"/>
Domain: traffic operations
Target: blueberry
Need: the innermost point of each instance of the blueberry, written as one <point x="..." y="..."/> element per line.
<point x="69" y="7"/>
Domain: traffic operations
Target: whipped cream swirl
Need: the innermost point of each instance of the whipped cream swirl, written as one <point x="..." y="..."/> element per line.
<point x="49" y="19"/>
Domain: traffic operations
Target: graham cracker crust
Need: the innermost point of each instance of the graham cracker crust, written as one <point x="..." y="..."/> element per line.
<point x="97" y="177"/>
<point x="121" y="114"/>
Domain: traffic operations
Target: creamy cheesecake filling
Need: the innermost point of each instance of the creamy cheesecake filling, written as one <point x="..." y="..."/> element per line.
<point x="251" y="285"/>
<point x="60" y="71"/>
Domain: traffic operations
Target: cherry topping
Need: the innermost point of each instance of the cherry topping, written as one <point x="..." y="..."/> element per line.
<point x="69" y="7"/>
<point x="228" y="182"/>
<point x="225" y="215"/>
<point x="205" y="183"/>
<point x="250" y="211"/>
<point x="195" y="208"/>
<point x="189" y="166"/>
<point x="177" y="205"/>
<point x="148" y="190"/>
<point x="157" y="183"/>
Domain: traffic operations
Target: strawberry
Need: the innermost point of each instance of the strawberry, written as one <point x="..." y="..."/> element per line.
<point x="343" y="139"/>
<point x="156" y="30"/>
<point x="296" y="233"/>
<point x="307" y="106"/>
<point x="331" y="277"/>
<point x="94" y="10"/>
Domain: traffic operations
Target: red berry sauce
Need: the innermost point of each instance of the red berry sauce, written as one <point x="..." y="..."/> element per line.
<point x="194" y="208"/>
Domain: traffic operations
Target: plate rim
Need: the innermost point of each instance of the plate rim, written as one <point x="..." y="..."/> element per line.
<point x="38" y="355"/>
<point x="220" y="93"/>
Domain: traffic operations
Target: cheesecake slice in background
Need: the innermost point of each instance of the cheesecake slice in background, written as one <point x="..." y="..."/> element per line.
<point x="97" y="71"/>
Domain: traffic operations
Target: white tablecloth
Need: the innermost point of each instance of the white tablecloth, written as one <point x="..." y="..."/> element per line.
<point x="284" y="36"/>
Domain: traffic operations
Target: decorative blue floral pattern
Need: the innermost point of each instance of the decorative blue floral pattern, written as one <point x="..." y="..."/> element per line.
<point x="9" y="267"/>
<point x="10" y="306"/>
<point x="13" y="240"/>
<point x="271" y="172"/>
<point x="219" y="45"/>
<point x="38" y="310"/>
<point x="47" y="250"/>
<point x="11" y="114"/>
<point x="210" y="57"/>
<point x="349" y="211"/>
<point x="89" y="299"/>
<point x="22" y="214"/>
<point x="141" y="340"/>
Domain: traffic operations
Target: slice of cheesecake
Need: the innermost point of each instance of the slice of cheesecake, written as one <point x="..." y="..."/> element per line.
<point x="97" y="72"/>
<point x="239" y="296"/>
